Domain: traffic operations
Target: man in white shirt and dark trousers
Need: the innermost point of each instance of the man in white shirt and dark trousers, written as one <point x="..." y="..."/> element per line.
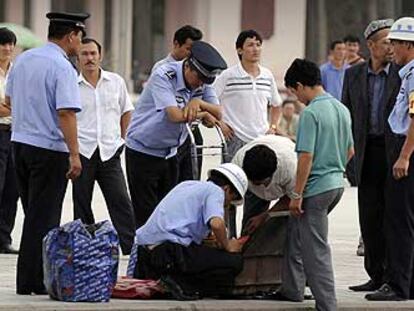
<point x="102" y="126"/>
<point x="8" y="184"/>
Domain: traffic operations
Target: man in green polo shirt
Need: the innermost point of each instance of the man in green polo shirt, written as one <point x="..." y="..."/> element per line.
<point x="324" y="145"/>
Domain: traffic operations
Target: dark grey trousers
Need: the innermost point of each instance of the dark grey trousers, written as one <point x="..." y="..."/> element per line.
<point x="233" y="145"/>
<point x="111" y="180"/>
<point x="308" y="255"/>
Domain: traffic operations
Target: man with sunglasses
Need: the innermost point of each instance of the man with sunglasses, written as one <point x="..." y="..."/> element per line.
<point x="270" y="165"/>
<point x="177" y="93"/>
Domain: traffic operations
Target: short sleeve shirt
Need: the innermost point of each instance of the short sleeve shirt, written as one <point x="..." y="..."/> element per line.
<point x="150" y="131"/>
<point x="399" y="118"/>
<point x="99" y="122"/>
<point x="245" y="100"/>
<point x="325" y="131"/>
<point x="3" y="82"/>
<point x="183" y="216"/>
<point x="283" y="179"/>
<point x="166" y="60"/>
<point x="333" y="78"/>
<point x="41" y="82"/>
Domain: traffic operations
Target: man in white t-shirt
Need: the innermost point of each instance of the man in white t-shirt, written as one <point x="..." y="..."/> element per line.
<point x="245" y="91"/>
<point x="270" y="165"/>
<point x="102" y="124"/>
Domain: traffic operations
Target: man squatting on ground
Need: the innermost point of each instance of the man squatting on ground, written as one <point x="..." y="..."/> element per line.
<point x="169" y="245"/>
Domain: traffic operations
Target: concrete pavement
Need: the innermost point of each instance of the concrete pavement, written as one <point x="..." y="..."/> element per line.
<point x="343" y="235"/>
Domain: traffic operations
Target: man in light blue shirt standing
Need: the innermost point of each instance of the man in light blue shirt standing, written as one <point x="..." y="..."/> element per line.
<point x="182" y="43"/>
<point x="399" y="215"/>
<point x="43" y="93"/>
<point x="333" y="71"/>
<point x="177" y="93"/>
<point x="324" y="145"/>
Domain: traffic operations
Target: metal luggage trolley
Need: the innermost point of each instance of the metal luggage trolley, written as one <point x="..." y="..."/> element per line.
<point x="194" y="148"/>
<point x="230" y="215"/>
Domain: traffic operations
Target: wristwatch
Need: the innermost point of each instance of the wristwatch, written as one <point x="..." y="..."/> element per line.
<point x="295" y="196"/>
<point x="273" y="127"/>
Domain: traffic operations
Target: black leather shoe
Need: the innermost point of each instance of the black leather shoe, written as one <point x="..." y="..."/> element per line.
<point x="385" y="293"/>
<point x="8" y="249"/>
<point x="369" y="286"/>
<point x="172" y="287"/>
<point x="31" y="292"/>
<point x="277" y="295"/>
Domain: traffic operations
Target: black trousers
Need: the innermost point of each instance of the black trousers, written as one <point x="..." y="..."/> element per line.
<point x="111" y="180"/>
<point x="8" y="189"/>
<point x="399" y="227"/>
<point x="42" y="185"/>
<point x="371" y="204"/>
<point x="149" y="179"/>
<point x="188" y="267"/>
<point x="185" y="167"/>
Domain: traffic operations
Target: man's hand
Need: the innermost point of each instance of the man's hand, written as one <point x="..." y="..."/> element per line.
<point x="400" y="168"/>
<point x="191" y="110"/>
<point x="234" y="246"/>
<point x="295" y="207"/>
<point x="254" y="222"/>
<point x="209" y="120"/>
<point x="75" y="167"/>
<point x="272" y="130"/>
<point x="5" y="110"/>
<point x="228" y="132"/>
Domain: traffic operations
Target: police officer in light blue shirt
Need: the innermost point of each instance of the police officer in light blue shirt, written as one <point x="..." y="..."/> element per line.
<point x="398" y="215"/>
<point x="176" y="93"/>
<point x="169" y="245"/>
<point x="43" y="93"/>
<point x="182" y="42"/>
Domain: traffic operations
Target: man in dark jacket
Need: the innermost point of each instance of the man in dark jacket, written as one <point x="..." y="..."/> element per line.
<point x="369" y="91"/>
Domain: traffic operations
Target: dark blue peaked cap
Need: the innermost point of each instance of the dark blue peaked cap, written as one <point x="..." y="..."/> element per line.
<point x="206" y="60"/>
<point x="70" y="19"/>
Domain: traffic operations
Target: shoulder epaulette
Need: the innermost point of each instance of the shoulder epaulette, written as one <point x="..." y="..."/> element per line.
<point x="170" y="74"/>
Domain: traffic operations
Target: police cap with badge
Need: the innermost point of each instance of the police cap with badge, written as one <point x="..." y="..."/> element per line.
<point x="75" y="20"/>
<point x="206" y="60"/>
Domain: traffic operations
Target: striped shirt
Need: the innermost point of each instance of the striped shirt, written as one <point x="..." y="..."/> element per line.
<point x="245" y="100"/>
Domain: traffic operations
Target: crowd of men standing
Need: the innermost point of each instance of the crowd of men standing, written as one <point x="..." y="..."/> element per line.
<point x="74" y="126"/>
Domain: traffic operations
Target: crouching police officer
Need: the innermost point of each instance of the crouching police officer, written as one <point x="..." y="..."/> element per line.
<point x="170" y="243"/>
<point x="176" y="93"/>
